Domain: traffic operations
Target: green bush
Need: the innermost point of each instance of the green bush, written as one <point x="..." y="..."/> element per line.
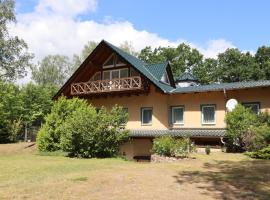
<point x="169" y="146"/>
<point x="87" y="133"/>
<point x="48" y="138"/>
<point x="163" y="145"/>
<point x="260" y="154"/>
<point x="238" y="122"/>
<point x="256" y="138"/>
<point x="75" y="127"/>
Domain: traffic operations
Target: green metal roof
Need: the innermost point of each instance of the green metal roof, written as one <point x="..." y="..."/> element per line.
<point x="144" y="68"/>
<point x="154" y="73"/>
<point x="222" y="86"/>
<point x="157" y="69"/>
<point x="179" y="133"/>
<point x="186" y="76"/>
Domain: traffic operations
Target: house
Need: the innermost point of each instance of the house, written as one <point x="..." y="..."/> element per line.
<point x="158" y="103"/>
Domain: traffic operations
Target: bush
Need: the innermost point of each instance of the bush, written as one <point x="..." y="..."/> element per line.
<point x="88" y="134"/>
<point x="256" y="138"/>
<point x="238" y="122"/>
<point x="163" y="145"/>
<point x="75" y="127"/>
<point x="168" y="146"/>
<point x="207" y="150"/>
<point x="48" y="138"/>
<point x="260" y="154"/>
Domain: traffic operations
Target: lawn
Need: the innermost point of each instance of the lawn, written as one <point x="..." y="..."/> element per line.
<point x="24" y="174"/>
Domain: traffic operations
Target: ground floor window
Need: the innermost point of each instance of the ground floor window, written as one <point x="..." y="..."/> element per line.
<point x="208" y="114"/>
<point x="254" y="106"/>
<point x="146" y="116"/>
<point x="177" y="115"/>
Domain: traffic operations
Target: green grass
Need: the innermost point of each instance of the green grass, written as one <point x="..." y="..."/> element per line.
<point x="26" y="174"/>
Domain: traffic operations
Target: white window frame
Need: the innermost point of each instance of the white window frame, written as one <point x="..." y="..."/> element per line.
<point x="172" y="115"/>
<point x="202" y="115"/>
<point x="114" y="62"/>
<point x="246" y="104"/>
<point x="165" y="75"/>
<point x="142" y="112"/>
<point x="110" y="71"/>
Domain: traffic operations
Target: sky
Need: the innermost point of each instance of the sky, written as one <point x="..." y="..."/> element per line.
<point x="211" y="26"/>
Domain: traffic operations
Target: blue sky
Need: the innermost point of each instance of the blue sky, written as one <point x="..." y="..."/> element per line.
<point x="244" y="23"/>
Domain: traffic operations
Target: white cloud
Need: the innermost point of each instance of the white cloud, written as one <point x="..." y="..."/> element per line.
<point x="54" y="27"/>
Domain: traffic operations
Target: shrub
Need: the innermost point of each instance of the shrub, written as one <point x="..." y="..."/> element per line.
<point x="182" y="147"/>
<point x="207" y="150"/>
<point x="238" y="122"/>
<point x="86" y="133"/>
<point x="163" y="145"/>
<point x="260" y="154"/>
<point x="168" y="146"/>
<point x="48" y="138"/>
<point x="256" y="138"/>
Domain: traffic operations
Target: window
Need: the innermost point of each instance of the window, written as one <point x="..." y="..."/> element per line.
<point x="115" y="74"/>
<point x="255" y="107"/>
<point x="124" y="110"/>
<point x="96" y="77"/>
<point x="146" y="116"/>
<point x="113" y="61"/>
<point x="165" y="78"/>
<point x="177" y="115"/>
<point x="123" y="73"/>
<point x="208" y="114"/>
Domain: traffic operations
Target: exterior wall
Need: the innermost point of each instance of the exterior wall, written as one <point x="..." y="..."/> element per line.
<point x="261" y="95"/>
<point x="192" y="108"/>
<point x="192" y="102"/>
<point x="154" y="99"/>
<point x="136" y="147"/>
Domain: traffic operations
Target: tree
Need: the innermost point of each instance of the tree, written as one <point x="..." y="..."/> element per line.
<point x="262" y="57"/>
<point x="235" y="66"/>
<point x="183" y="58"/>
<point x="128" y="47"/>
<point x="78" y="59"/>
<point x="11" y="110"/>
<point x="207" y="72"/>
<point x="14" y="58"/>
<point x="52" y="70"/>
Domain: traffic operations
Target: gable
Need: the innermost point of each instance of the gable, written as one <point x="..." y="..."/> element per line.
<point x="107" y="55"/>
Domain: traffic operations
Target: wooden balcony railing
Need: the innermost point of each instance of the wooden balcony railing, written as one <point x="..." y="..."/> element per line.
<point x="100" y="86"/>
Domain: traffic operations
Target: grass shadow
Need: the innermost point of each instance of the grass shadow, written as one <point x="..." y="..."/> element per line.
<point x="241" y="180"/>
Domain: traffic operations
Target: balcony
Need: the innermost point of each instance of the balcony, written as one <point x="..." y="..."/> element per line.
<point x="102" y="86"/>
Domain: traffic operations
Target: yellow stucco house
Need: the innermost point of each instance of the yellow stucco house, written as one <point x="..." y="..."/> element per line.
<point x="157" y="103"/>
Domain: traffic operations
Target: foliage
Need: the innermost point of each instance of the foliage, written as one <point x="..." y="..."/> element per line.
<point x="207" y="150"/>
<point x="182" y="58"/>
<point x="128" y="47"/>
<point x="260" y="154"/>
<point x="256" y="138"/>
<point x="246" y="130"/>
<point x="169" y="146"/>
<point x="86" y="133"/>
<point x="14" y="128"/>
<point x="78" y="59"/>
<point x="238" y="123"/>
<point x="14" y="58"/>
<point x="52" y="70"/>
<point x="11" y="109"/>
<point x="163" y="145"/>
<point x="74" y="126"/>
<point x="48" y="138"/>
<point x="229" y="66"/>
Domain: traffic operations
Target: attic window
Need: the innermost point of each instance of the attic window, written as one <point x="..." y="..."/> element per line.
<point x="113" y="61"/>
<point x="165" y="78"/>
<point x="96" y="77"/>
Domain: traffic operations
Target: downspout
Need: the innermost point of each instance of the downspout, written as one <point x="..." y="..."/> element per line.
<point x="226" y="98"/>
